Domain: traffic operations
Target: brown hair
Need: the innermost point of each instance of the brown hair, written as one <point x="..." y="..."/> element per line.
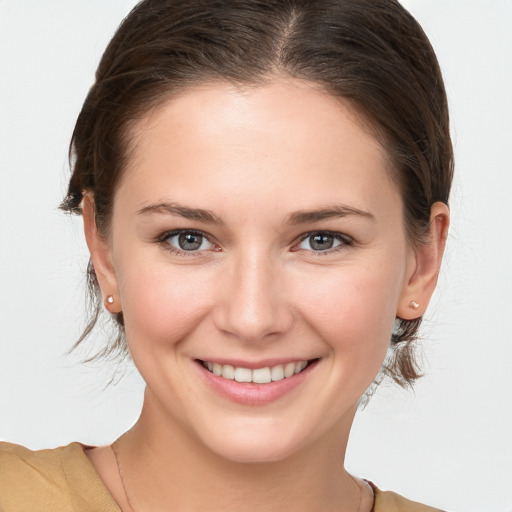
<point x="372" y="53"/>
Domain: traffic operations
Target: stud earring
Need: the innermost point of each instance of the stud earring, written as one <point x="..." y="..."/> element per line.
<point x="110" y="299"/>
<point x="413" y="304"/>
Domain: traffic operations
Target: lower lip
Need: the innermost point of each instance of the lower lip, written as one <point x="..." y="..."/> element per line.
<point x="249" y="393"/>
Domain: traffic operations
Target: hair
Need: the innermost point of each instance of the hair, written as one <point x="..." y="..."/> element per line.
<point x="370" y="53"/>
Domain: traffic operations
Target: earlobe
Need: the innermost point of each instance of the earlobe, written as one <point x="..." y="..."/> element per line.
<point x="425" y="266"/>
<point x="100" y="257"/>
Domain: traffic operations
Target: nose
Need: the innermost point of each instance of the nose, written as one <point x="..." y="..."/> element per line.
<point x="252" y="303"/>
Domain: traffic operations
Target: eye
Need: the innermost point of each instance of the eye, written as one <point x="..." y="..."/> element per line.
<point x="187" y="241"/>
<point x="323" y="241"/>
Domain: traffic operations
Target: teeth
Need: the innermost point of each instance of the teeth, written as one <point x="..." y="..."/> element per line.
<point x="228" y="371"/>
<point x="242" y="375"/>
<point x="289" y="369"/>
<point x="259" y="375"/>
<point x="262" y="375"/>
<point x="277" y="372"/>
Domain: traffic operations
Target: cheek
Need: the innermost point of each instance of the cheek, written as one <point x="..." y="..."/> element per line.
<point x="353" y="309"/>
<point x="160" y="307"/>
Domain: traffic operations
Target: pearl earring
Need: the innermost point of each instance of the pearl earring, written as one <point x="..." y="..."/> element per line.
<point x="413" y="304"/>
<point x="110" y="299"/>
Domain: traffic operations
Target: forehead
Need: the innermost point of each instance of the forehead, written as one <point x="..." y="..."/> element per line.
<point x="286" y="135"/>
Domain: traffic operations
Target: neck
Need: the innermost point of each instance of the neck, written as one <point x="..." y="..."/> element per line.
<point x="164" y="467"/>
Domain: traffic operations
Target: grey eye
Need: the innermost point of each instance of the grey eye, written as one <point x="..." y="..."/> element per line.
<point x="189" y="241"/>
<point x="322" y="241"/>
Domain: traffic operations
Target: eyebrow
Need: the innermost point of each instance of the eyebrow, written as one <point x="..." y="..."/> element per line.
<point x="330" y="212"/>
<point x="182" y="211"/>
<point x="299" y="217"/>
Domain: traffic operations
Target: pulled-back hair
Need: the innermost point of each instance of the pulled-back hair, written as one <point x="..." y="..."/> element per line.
<point x="371" y="53"/>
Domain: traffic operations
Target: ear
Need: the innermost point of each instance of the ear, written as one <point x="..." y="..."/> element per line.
<point x="101" y="257"/>
<point x="423" y="269"/>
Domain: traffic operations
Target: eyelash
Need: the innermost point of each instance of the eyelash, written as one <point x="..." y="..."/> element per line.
<point x="344" y="240"/>
<point x="164" y="241"/>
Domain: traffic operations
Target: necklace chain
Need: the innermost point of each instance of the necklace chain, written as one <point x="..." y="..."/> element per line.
<point x="120" y="471"/>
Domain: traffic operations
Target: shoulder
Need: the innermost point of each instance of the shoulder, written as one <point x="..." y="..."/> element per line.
<point x="58" y="479"/>
<point x="387" y="501"/>
<point x="20" y="459"/>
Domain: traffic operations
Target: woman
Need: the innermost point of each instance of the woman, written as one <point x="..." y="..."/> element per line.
<point x="264" y="189"/>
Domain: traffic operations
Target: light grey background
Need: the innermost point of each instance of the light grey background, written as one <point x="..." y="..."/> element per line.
<point x="448" y="443"/>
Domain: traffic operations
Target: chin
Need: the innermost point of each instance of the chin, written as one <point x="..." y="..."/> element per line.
<point x="253" y="453"/>
<point x="247" y="445"/>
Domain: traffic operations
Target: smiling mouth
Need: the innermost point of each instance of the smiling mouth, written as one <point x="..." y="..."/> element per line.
<point x="263" y="375"/>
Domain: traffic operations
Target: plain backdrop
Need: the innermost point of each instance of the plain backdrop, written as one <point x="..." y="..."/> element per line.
<point x="448" y="443"/>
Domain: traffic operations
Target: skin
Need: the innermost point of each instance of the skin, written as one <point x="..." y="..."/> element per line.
<point x="256" y="290"/>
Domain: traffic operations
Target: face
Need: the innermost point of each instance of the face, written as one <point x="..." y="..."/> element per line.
<point x="257" y="234"/>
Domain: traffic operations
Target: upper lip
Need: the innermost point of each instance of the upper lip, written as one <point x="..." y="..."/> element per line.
<point x="253" y="365"/>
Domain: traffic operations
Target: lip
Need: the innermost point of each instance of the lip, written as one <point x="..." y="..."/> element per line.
<point x="251" y="393"/>
<point x="254" y="365"/>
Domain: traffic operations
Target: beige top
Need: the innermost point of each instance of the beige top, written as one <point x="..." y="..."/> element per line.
<point x="64" y="480"/>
